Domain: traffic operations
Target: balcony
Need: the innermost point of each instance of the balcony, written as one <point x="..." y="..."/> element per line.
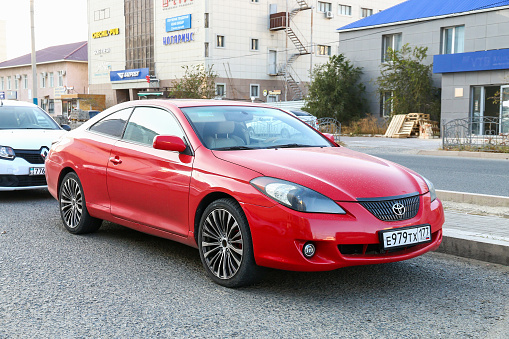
<point x="277" y="21"/>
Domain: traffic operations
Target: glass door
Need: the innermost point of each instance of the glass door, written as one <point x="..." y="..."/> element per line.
<point x="504" y="109"/>
<point x="477" y="110"/>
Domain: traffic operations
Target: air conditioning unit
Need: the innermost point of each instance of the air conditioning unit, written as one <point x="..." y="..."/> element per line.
<point x="329" y="15"/>
<point x="62" y="72"/>
<point x="17" y="76"/>
<point x="44" y="74"/>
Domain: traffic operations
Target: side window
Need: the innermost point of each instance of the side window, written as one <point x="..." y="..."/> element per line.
<point x="113" y="124"/>
<point x="147" y="122"/>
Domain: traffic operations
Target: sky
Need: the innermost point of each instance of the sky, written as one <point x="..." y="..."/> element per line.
<point x="57" y="22"/>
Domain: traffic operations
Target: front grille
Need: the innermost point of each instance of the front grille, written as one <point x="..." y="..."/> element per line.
<point x="385" y="208"/>
<point x="22" y="180"/>
<point x="31" y="156"/>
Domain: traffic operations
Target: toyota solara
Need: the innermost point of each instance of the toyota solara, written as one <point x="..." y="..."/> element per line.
<point x="189" y="171"/>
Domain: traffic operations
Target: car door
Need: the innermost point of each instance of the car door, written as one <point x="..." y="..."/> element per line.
<point x="147" y="185"/>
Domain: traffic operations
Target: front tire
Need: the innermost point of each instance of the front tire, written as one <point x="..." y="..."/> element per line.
<point x="73" y="207"/>
<point x="226" y="248"/>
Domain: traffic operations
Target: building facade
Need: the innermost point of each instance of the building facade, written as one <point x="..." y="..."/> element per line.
<point x="468" y="44"/>
<point x="61" y="70"/>
<point x="256" y="55"/>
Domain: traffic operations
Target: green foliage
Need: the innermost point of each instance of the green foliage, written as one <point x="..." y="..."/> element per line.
<point x="198" y="82"/>
<point x="410" y="81"/>
<point x="336" y="91"/>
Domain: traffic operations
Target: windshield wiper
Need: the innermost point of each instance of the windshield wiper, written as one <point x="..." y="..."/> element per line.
<point x="291" y="146"/>
<point x="232" y="148"/>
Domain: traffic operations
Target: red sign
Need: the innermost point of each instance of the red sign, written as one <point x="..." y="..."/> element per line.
<point x="168" y="3"/>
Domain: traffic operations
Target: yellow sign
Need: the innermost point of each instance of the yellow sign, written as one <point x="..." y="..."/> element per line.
<point x="102" y="34"/>
<point x="275" y="92"/>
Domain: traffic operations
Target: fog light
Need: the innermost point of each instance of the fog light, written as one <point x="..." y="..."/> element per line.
<point x="309" y="250"/>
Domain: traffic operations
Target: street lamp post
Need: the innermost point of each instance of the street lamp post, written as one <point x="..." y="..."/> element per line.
<point x="34" y="62"/>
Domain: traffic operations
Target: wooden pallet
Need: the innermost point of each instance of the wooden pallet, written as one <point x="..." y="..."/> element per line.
<point x="395" y="125"/>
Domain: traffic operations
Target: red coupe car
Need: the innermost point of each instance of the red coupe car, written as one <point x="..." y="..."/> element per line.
<point x="188" y="170"/>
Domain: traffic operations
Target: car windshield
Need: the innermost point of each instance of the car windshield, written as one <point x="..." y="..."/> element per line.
<point x="19" y="117"/>
<point x="243" y="127"/>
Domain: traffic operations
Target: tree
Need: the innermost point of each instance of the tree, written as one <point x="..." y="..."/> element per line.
<point x="409" y="80"/>
<point x="198" y="82"/>
<point x="336" y="91"/>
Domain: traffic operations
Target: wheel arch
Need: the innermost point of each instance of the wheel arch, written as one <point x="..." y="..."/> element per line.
<point x="61" y="176"/>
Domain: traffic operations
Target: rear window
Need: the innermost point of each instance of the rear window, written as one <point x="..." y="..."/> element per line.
<point x="19" y="117"/>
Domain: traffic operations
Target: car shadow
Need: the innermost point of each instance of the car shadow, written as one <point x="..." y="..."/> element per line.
<point x="25" y="196"/>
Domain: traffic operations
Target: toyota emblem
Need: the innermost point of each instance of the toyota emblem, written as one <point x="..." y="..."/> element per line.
<point x="44" y="152"/>
<point x="398" y="209"/>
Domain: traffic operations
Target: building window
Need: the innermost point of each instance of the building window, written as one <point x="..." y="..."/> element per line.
<point x="206" y="50"/>
<point x="392" y="41"/>
<point x="324" y="7"/>
<point x="206" y="20"/>
<point x="139" y="34"/>
<point x="453" y="40"/>
<point x="8" y="82"/>
<point x="60" y="79"/>
<point x="254" y="91"/>
<point x="25" y="81"/>
<point x="220" y="90"/>
<point x="323" y="50"/>
<point x="101" y="14"/>
<point x="386" y="104"/>
<point x="220" y="41"/>
<point x="365" y="12"/>
<point x="43" y="80"/>
<point x="16" y="82"/>
<point x="254" y="45"/>
<point x="345" y="10"/>
<point x="51" y="80"/>
<point x="51" y="106"/>
<point x="2" y="84"/>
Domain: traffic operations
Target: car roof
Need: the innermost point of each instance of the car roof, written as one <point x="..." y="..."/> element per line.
<point x="16" y="103"/>
<point x="182" y="103"/>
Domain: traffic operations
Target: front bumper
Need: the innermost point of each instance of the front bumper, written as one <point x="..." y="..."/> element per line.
<point x="352" y="239"/>
<point x="14" y="175"/>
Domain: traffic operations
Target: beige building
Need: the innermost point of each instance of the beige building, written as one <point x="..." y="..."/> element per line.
<point x="246" y="42"/>
<point x="61" y="70"/>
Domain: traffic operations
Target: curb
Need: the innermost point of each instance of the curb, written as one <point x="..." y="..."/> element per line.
<point x="476" y="199"/>
<point x="473" y="246"/>
<point x="466" y="154"/>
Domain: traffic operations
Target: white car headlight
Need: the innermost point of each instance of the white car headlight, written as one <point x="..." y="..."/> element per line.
<point x="7" y="152"/>
<point x="431" y="188"/>
<point x="295" y="196"/>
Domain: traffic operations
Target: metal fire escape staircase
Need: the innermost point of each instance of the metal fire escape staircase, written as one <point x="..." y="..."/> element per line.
<point x="286" y="69"/>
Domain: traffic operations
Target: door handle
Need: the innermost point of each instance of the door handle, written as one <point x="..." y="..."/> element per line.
<point x="116" y="160"/>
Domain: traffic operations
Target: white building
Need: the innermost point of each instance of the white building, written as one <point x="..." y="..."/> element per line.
<point x="246" y="42"/>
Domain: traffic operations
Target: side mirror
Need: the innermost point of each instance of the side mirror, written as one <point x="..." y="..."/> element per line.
<point x="330" y="137"/>
<point x="169" y="143"/>
<point x="66" y="127"/>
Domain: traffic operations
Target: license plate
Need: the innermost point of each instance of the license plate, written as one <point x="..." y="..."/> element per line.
<point x="402" y="237"/>
<point x="36" y="171"/>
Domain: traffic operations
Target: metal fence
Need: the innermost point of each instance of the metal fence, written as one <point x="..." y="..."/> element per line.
<point x="475" y="134"/>
<point x="330" y="125"/>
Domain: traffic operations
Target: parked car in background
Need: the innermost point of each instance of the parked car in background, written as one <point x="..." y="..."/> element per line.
<point x="189" y="170"/>
<point x="26" y="134"/>
<point x="308" y="118"/>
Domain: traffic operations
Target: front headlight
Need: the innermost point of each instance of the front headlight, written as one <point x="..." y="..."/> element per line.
<point x="7" y="152"/>
<point x="295" y="196"/>
<point x="431" y="188"/>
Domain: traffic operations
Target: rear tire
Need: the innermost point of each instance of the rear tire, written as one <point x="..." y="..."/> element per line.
<point x="226" y="248"/>
<point x="73" y="207"/>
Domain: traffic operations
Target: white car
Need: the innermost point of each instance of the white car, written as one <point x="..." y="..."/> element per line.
<point x="26" y="134"/>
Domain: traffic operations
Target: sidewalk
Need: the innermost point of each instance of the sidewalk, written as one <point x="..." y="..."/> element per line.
<point x="481" y="237"/>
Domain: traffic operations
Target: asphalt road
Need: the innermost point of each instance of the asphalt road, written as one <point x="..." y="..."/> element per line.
<point x="482" y="176"/>
<point x="121" y="283"/>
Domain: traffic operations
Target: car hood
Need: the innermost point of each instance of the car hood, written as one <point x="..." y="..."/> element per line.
<point x="29" y="139"/>
<point x="337" y="172"/>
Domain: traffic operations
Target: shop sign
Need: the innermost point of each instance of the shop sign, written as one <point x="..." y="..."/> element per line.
<point x="105" y="33"/>
<point x="275" y="92"/>
<point x="171" y="4"/>
<point x="102" y="51"/>
<point x="178" y="23"/>
<point x="178" y="38"/>
<point x="2" y="95"/>
<point x="59" y="91"/>
<point x="129" y="74"/>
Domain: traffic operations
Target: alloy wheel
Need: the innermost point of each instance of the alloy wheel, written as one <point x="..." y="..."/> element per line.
<point x="71" y="203"/>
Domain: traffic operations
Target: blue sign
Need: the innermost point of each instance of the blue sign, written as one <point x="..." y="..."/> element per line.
<point x="2" y="95"/>
<point x="178" y="23"/>
<point x="178" y="38"/>
<point x="471" y="61"/>
<point x="129" y="74"/>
